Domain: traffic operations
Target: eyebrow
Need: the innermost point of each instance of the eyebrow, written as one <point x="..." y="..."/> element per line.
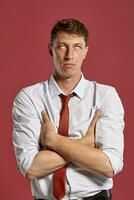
<point x="79" y="44"/>
<point x="73" y="44"/>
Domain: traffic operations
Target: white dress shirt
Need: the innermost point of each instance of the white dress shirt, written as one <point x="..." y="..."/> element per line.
<point x="29" y="104"/>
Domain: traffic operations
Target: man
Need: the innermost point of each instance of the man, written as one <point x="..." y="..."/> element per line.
<point x="68" y="131"/>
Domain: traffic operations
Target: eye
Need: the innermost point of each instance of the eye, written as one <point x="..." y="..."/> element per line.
<point x="77" y="46"/>
<point x="61" y="46"/>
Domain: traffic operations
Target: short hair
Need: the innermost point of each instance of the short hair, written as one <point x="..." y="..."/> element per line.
<point x="71" y="26"/>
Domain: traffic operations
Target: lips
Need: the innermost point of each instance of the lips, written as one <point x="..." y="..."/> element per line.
<point x="68" y="64"/>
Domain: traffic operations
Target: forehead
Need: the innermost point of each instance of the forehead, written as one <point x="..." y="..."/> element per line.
<point x="63" y="37"/>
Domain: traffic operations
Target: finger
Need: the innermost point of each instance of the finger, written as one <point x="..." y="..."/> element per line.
<point x="45" y="116"/>
<point x="95" y="118"/>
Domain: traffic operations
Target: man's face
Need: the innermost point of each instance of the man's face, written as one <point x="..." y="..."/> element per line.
<point x="68" y="53"/>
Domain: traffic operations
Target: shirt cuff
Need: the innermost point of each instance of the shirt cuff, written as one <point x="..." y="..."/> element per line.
<point x="27" y="161"/>
<point x="115" y="160"/>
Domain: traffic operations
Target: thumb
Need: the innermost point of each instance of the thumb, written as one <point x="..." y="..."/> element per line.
<point x="45" y="116"/>
<point x="95" y="118"/>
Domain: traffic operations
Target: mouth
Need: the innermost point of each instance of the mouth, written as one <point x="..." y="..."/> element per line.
<point x="68" y="64"/>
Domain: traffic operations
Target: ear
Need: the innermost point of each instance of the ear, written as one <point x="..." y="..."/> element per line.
<point x="86" y="50"/>
<point x="50" y="49"/>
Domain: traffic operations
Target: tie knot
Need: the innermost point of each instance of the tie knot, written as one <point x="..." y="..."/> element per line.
<point x="65" y="98"/>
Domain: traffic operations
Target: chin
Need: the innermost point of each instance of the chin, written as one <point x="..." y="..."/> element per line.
<point x="70" y="74"/>
<point x="67" y="73"/>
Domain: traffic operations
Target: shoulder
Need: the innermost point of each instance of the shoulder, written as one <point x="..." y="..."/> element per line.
<point x="35" y="89"/>
<point x="103" y="93"/>
<point x="32" y="92"/>
<point x="100" y="88"/>
<point x="104" y="89"/>
<point x="108" y="96"/>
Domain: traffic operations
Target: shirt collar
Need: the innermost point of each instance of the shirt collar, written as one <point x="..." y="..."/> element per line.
<point x="54" y="88"/>
<point x="79" y="90"/>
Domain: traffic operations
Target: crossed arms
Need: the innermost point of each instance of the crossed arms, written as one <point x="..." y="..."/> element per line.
<point x="106" y="160"/>
<point x="62" y="150"/>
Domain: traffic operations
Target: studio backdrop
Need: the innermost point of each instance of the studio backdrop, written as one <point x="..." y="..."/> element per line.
<point x="24" y="60"/>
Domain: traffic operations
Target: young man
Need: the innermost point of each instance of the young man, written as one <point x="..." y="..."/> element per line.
<point x="68" y="131"/>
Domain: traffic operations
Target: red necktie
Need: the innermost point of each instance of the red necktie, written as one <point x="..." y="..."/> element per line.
<point x="59" y="179"/>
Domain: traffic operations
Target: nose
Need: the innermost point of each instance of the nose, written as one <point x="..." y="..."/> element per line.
<point x="69" y="54"/>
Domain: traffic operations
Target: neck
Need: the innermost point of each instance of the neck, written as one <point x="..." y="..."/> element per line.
<point x="68" y="84"/>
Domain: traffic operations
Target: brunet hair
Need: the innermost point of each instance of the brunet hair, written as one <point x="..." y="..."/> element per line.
<point x="71" y="26"/>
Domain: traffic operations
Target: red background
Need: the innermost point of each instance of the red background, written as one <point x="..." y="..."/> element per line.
<point x="24" y="36"/>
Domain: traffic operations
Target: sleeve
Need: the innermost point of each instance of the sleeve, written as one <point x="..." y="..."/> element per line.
<point x="26" y="131"/>
<point x="109" y="130"/>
